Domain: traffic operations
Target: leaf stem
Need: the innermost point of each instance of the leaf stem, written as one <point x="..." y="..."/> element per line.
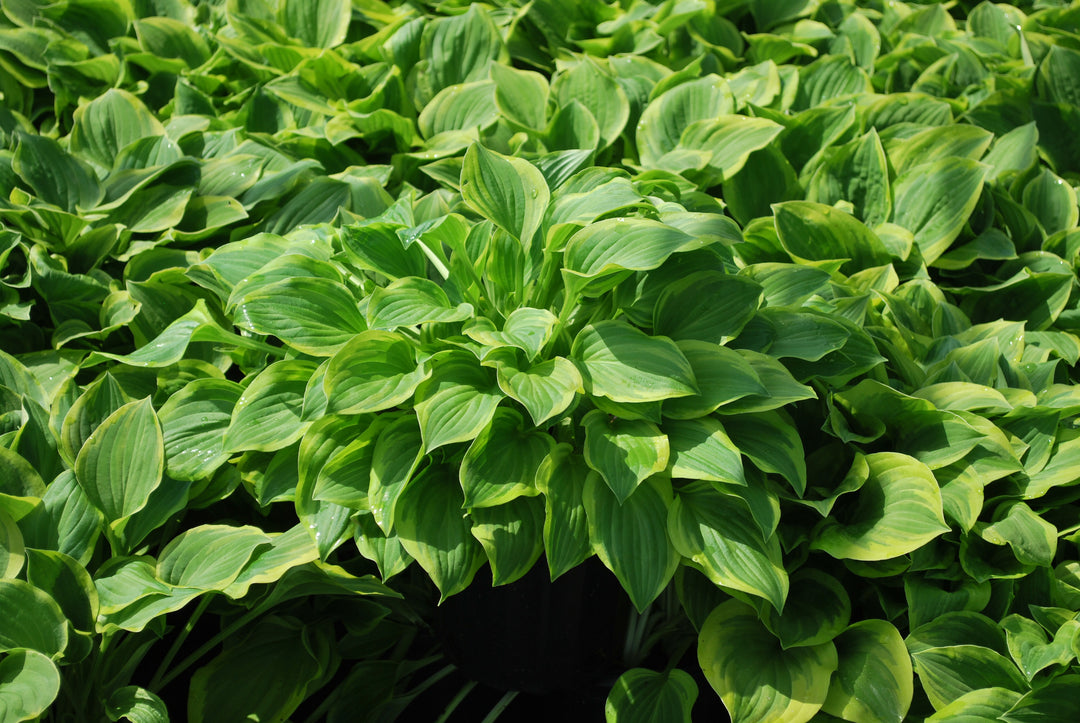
<point x="209" y="645"/>
<point x="174" y="649"/>
<point x="502" y="705"/>
<point x="456" y="701"/>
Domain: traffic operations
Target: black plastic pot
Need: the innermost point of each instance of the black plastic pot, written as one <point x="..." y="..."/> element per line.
<point x="538" y="636"/>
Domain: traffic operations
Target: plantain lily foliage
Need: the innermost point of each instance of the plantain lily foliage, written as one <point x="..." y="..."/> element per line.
<point x="309" y="308"/>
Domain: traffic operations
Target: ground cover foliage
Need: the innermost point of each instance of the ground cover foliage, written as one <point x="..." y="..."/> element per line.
<point x="311" y="309"/>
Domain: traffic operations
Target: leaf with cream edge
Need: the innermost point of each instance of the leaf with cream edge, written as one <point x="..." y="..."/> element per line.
<point x="625" y="452"/>
<point x="641" y="696"/>
<point x="375" y="370"/>
<point x="510" y="192"/>
<point x="501" y="463"/>
<point x="433" y="529"/>
<point x="562" y="478"/>
<point x="757" y="680"/>
<point x="624" y="364"/>
<point x="874" y="682"/>
<point x="897" y="510"/>
<point x="546" y="390"/>
<point x="631" y="537"/>
<point x="620" y="244"/>
<point x="122" y="462"/>
<point x="457" y="401"/>
<point x="719" y="534"/>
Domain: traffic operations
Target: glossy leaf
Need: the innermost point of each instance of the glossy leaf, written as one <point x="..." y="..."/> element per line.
<point x="501" y="464"/>
<point x="897" y="510"/>
<point x="29" y="683"/>
<point x="510" y="192"/>
<point x="34" y="620"/>
<point x="431" y="525"/>
<point x="754" y="677"/>
<point x="122" y="462"/>
<point x="626" y="365"/>
<point x="375" y="370"/>
<point x="313" y="315"/>
<point x="645" y="695"/>
<point x="631" y="538"/>
<point x="874" y="680"/>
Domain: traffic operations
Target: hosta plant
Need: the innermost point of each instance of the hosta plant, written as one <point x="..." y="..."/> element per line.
<point x="311" y="310"/>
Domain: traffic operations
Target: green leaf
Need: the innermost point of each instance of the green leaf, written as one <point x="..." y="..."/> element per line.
<point x="457" y="401"/>
<point x="412" y="301"/>
<point x="756" y="679"/>
<point x="433" y="529"/>
<point x="100" y="399"/>
<point x="874" y="680"/>
<point x="1014" y="151"/>
<point x="521" y="95"/>
<point x="501" y="464"/>
<point x="209" y="557"/>
<point x="316" y="23"/>
<point x="375" y="370"/>
<point x="706" y="306"/>
<point x="122" y="462"/>
<point x="562" y="478"/>
<point x="377" y="247"/>
<point x="264" y="676"/>
<point x="896" y="511"/>
<point x="934" y="201"/>
<point x="667" y="116"/>
<point x="193" y="425"/>
<point x="313" y="315"/>
<point x="723" y="376"/>
<point x="1054" y="701"/>
<point x="546" y="389"/>
<point x="1032" y="539"/>
<point x="856" y="172"/>
<point x="510" y="192"/>
<point x="593" y="86"/>
<point x="771" y="442"/>
<point x="526" y="328"/>
<point x="986" y="705"/>
<point x="69" y="584"/>
<point x="459" y="48"/>
<point x="816" y="611"/>
<point x="267" y="416"/>
<point x="720" y="146"/>
<point x="69" y="522"/>
<point x="12" y="550"/>
<point x="641" y="695"/>
<point x="105" y="125"/>
<point x="624" y="452"/>
<point x="719" y="534"/>
<point x="619" y="244"/>
<point x="1053" y="202"/>
<point x="625" y="365"/>
<point x="815" y="232"/>
<point x="465" y="107"/>
<point x="701" y="449"/>
<point x="398" y="451"/>
<point x="167" y="37"/>
<point x="29" y="683"/>
<point x="949" y="672"/>
<point x="511" y="535"/>
<point x="630" y="537"/>
<point x="32" y="618"/>
<point x="137" y="705"/>
<point x="1030" y="649"/>
<point x="55" y="176"/>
